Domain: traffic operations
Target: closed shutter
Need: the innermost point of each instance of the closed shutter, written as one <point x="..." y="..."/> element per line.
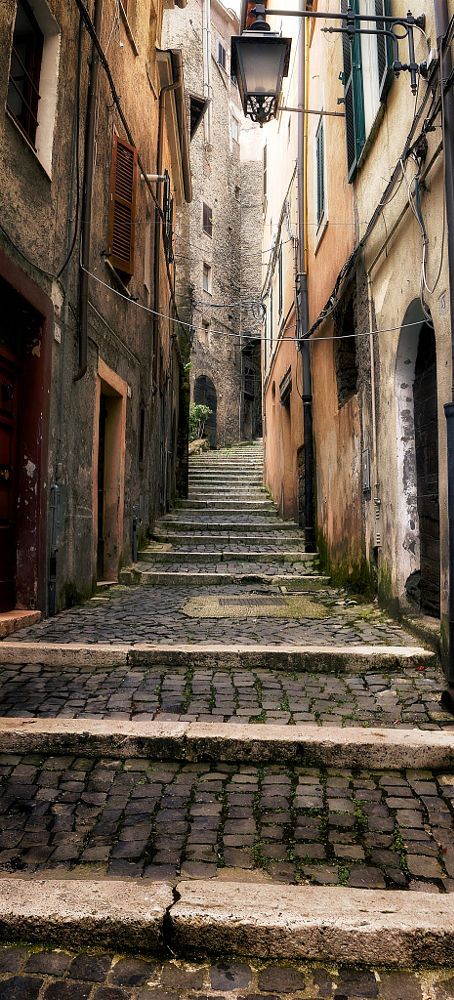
<point x="353" y="95"/>
<point x="384" y="49"/>
<point x="123" y="190"/>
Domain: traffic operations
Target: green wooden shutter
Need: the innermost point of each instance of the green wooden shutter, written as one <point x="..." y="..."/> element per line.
<point x="320" y="155"/>
<point x="384" y="50"/>
<point x="353" y="95"/>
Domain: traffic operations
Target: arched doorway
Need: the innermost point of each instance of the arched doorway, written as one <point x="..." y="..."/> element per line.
<point x="205" y="394"/>
<point x="417" y="453"/>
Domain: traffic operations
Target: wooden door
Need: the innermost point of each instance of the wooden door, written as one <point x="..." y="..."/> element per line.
<point x="9" y="383"/>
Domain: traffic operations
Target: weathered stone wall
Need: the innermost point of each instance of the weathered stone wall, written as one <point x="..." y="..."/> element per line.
<point x="223" y="183"/>
<point x="38" y="214"/>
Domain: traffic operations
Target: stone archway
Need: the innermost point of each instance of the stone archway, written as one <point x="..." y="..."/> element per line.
<point x="418" y="563"/>
<point x="205" y="394"/>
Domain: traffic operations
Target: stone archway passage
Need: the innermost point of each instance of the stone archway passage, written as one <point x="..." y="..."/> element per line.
<point x="205" y="394"/>
<point x="426" y="449"/>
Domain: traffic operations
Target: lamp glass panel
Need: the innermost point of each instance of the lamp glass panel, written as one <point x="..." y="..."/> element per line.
<point x="262" y="65"/>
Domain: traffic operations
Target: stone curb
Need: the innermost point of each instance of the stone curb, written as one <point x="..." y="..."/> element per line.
<point x="156" y="555"/>
<point x="319" y="659"/>
<point x="307" y="922"/>
<point x="353" y="926"/>
<point x="137" y="576"/>
<point x="304" y="745"/>
<point x="83" y="914"/>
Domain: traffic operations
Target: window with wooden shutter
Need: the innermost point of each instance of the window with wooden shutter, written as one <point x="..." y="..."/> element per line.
<point x="353" y="95"/>
<point x="384" y="50"/>
<point x="123" y="192"/>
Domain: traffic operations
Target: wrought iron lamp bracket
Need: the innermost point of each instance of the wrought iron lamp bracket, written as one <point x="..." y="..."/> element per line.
<point x="350" y="22"/>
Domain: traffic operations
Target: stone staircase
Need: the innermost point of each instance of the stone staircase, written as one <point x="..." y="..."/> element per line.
<point x="249" y="784"/>
<point x="227" y="531"/>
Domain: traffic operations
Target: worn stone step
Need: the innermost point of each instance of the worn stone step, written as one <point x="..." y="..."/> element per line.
<point x="308" y="922"/>
<point x="155" y="555"/>
<point x="205" y="578"/>
<point x="317" y="659"/>
<point x="185" y="523"/>
<point x="252" y="506"/>
<point x="239" y="743"/>
<point x="219" y="918"/>
<point x="223" y="539"/>
<point x="228" y="496"/>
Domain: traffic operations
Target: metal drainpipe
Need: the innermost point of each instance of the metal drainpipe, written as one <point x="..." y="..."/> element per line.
<point x="87" y="197"/>
<point x="170" y="88"/>
<point x="441" y="24"/>
<point x="309" y="526"/>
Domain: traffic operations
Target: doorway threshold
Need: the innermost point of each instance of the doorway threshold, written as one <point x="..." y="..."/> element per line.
<point x="13" y="621"/>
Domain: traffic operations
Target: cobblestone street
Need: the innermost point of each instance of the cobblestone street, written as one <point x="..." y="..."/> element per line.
<point x="39" y="974"/>
<point x="93" y="818"/>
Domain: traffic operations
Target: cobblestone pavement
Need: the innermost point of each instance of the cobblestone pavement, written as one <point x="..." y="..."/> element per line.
<point x="149" y="614"/>
<point x="204" y="695"/>
<point x="33" y="973"/>
<point x="165" y="820"/>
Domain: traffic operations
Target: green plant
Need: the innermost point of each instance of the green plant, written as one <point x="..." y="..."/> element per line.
<point x="198" y="416"/>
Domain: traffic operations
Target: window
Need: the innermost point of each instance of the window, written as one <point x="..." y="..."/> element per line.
<point x="234" y="128"/>
<point x="207" y="219"/>
<point x="280" y="281"/>
<point x="207" y="278"/>
<point x="271" y="322"/>
<point x="364" y="91"/>
<point x="26" y="56"/>
<point x="221" y="55"/>
<point x="265" y="168"/>
<point x="320" y="171"/>
<point x="123" y="191"/>
<point x="32" y="86"/>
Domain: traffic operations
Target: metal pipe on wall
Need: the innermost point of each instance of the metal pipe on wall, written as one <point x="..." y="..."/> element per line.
<point x="441" y="24"/>
<point x="304" y="347"/>
<point x="87" y="196"/>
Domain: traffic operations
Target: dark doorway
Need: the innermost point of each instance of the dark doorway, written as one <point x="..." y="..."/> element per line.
<point x="101" y="474"/>
<point x="426" y="447"/>
<point x="205" y="394"/>
<point x="9" y="391"/>
<point x="22" y="408"/>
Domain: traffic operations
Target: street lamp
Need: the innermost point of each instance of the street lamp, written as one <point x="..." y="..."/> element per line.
<point x="260" y="60"/>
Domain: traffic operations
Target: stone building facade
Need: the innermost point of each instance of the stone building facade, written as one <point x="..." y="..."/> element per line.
<point x="91" y="382"/>
<point x="217" y="238"/>
<point x="379" y="320"/>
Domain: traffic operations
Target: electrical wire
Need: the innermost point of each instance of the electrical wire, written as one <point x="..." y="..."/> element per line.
<point x="239" y="336"/>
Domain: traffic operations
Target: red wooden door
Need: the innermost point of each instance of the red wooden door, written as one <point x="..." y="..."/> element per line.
<point x="9" y="380"/>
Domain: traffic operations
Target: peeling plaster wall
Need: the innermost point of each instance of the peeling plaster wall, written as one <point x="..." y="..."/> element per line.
<point x="120" y="335"/>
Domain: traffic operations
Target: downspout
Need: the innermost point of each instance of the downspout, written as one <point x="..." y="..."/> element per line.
<point x="304" y="347"/>
<point x="169" y="89"/>
<point x="441" y="25"/>
<point x="87" y="196"/>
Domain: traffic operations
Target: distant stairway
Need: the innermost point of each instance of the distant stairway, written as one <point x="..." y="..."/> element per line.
<point x="227" y="531"/>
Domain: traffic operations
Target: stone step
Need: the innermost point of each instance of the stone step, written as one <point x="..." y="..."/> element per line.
<point x="136" y="575"/>
<point x="235" y="743"/>
<point x="227" y="497"/>
<point x="317" y="659"/>
<point x="226" y="538"/>
<point x="240" y="527"/>
<point x="218" y="918"/>
<point x="252" y="506"/>
<point x="156" y="555"/>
